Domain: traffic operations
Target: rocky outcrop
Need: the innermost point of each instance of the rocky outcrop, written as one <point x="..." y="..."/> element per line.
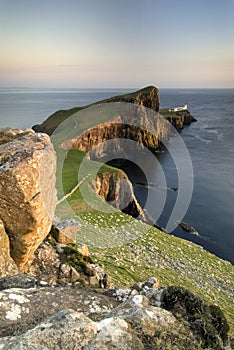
<point x="148" y="97"/>
<point x="68" y="329"/>
<point x="27" y="191"/>
<point x="180" y="119"/>
<point x="23" y="309"/>
<point x="7" y="264"/>
<point x="117" y="190"/>
<point x="114" y="333"/>
<point x="80" y="318"/>
<point x="60" y="264"/>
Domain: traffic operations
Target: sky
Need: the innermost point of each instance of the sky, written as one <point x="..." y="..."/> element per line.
<point x="117" y="43"/>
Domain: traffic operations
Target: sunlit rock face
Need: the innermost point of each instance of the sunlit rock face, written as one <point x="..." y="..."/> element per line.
<point x="27" y="191"/>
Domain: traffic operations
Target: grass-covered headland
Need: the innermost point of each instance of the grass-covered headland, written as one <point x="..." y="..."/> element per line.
<point x="128" y="249"/>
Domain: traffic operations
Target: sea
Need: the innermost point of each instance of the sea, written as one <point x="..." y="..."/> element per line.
<point x="209" y="141"/>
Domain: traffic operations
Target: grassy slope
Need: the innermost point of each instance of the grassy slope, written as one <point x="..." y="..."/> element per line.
<point x="150" y="252"/>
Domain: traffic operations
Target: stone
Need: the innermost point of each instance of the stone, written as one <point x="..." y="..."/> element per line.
<point x="114" y="333"/>
<point x="67" y="274"/>
<point x="60" y="248"/>
<point x="67" y="329"/>
<point x="65" y="231"/>
<point x="10" y="134"/>
<point x="27" y="192"/>
<point x="84" y="250"/>
<point x="45" y="266"/>
<point x="65" y="264"/>
<point x="154" y="295"/>
<point x="138" y="286"/>
<point x="23" y="309"/>
<point x="7" y="264"/>
<point x="138" y="313"/>
<point x="152" y="282"/>
<point x="18" y="281"/>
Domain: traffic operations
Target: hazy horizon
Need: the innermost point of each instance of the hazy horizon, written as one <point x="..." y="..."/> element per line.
<point x="109" y="44"/>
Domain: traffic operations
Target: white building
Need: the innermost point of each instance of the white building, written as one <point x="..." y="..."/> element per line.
<point x="178" y="109"/>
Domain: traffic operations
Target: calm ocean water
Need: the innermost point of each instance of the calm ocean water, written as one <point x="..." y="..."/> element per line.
<point x="210" y="142"/>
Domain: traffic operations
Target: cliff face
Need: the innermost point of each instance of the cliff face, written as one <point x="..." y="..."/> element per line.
<point x="148" y="97"/>
<point x="94" y="139"/>
<point x="117" y="190"/>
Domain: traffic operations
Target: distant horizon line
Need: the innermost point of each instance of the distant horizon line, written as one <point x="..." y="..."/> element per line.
<point x="111" y="88"/>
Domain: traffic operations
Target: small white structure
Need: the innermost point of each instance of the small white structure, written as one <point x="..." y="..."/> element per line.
<point x="178" y="109"/>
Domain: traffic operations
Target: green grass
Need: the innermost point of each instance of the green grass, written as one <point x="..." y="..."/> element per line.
<point x="165" y="113"/>
<point x="132" y="251"/>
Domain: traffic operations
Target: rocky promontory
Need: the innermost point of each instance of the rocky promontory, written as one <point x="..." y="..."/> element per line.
<point x="147" y="97"/>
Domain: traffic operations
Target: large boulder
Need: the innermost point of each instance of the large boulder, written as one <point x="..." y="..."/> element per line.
<point x="7" y="264"/>
<point x="140" y="314"/>
<point x="27" y="191"/>
<point x="67" y="329"/>
<point x="114" y="333"/>
<point x="23" y="309"/>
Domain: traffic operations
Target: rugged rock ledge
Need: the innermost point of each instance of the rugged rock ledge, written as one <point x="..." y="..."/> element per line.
<point x="142" y="317"/>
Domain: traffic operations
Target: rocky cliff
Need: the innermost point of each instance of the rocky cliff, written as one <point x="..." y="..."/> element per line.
<point x="94" y="139"/>
<point x="148" y="97"/>
<point x="143" y="126"/>
<point x="27" y="191"/>
<point x="117" y="190"/>
<point x="178" y="119"/>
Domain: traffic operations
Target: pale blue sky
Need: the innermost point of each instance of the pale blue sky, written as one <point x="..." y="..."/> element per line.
<point x="124" y="43"/>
